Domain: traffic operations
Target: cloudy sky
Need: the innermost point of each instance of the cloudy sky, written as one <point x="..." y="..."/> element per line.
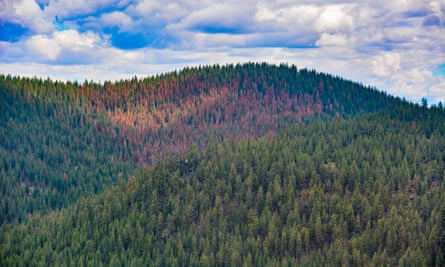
<point x="397" y="46"/>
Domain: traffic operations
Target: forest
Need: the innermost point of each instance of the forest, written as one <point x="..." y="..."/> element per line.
<point x="248" y="164"/>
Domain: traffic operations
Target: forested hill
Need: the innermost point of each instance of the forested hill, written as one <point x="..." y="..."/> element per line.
<point x="256" y="164"/>
<point x="63" y="141"/>
<point x="174" y="110"/>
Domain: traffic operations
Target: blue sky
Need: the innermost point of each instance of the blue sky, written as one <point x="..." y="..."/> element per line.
<point x="397" y="46"/>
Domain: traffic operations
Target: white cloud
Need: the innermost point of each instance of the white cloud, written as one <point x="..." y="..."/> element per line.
<point x="217" y="16"/>
<point x="66" y="9"/>
<point x="161" y="13"/>
<point x="288" y="18"/>
<point x="118" y="19"/>
<point x="26" y="13"/>
<point x="49" y="47"/>
<point x="327" y="39"/>
<point x="265" y="14"/>
<point x="335" y="18"/>
<point x="43" y="46"/>
<point x="437" y="90"/>
<point x="145" y="7"/>
<point x="206" y="41"/>
<point x="415" y="84"/>
<point x="303" y="17"/>
<point x="386" y="64"/>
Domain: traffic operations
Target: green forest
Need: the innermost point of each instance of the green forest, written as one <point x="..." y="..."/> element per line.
<point x="236" y="165"/>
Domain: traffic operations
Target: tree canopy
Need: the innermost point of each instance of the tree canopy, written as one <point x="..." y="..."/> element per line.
<point x="253" y="164"/>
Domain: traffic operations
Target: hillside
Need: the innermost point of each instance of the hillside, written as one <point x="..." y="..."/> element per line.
<point x="250" y="164"/>
<point x="65" y="141"/>
<point x="368" y="191"/>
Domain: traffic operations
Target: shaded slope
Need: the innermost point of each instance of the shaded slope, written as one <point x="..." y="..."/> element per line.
<point x="51" y="152"/>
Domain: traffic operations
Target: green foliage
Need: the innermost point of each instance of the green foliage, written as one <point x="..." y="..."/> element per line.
<point x="64" y="141"/>
<point x="253" y="164"/>
<point x="51" y="152"/>
<point x="280" y="200"/>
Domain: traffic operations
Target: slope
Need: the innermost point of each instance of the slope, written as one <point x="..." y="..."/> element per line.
<point x="364" y="191"/>
<point x="51" y="152"/>
<point x="64" y="141"/>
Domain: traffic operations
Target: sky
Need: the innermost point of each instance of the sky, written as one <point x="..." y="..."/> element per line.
<point x="396" y="46"/>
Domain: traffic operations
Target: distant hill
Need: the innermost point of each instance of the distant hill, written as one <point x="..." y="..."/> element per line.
<point x="251" y="164"/>
<point x="63" y="141"/>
